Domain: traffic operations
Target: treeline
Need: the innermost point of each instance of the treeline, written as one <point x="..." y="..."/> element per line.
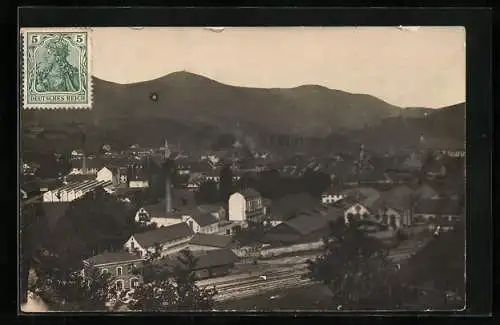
<point x="361" y="276"/>
<point x="269" y="184"/>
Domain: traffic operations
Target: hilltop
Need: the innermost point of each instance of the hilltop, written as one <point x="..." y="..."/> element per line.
<point x="193" y="106"/>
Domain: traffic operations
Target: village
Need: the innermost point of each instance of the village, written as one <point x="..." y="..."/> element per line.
<point x="252" y="219"/>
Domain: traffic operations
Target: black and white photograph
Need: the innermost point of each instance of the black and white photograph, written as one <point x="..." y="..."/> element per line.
<point x="253" y="169"/>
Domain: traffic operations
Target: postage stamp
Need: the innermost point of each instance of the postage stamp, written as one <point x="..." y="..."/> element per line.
<point x="56" y="69"/>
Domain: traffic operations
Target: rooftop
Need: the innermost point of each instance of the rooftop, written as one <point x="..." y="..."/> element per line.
<point x="207" y="259"/>
<point x="163" y="235"/>
<point x="113" y="258"/>
<point x="211" y="240"/>
<point x="250" y="193"/>
<point x="306" y="224"/>
<point x="366" y="196"/>
<point x="204" y="219"/>
<point x="293" y="204"/>
<point x="83" y="186"/>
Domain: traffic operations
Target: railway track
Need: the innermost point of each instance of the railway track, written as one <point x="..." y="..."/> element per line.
<point x="284" y="276"/>
<point x="224" y="281"/>
<point x="251" y="287"/>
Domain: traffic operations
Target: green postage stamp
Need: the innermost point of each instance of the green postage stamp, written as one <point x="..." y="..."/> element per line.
<point x="56" y="68"/>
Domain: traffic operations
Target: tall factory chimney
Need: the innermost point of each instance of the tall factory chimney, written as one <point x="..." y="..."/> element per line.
<point x="84" y="163"/>
<point x="167" y="151"/>
<point x="168" y="179"/>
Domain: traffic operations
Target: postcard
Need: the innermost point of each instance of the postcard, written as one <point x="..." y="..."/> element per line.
<point x="169" y="169"/>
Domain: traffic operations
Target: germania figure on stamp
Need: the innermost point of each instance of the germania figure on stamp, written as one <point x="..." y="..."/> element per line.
<point x="56" y="71"/>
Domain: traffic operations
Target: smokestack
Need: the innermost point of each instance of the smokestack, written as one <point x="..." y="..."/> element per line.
<point x="84" y="164"/>
<point x="168" y="180"/>
<point x="167" y="151"/>
<point x="168" y="193"/>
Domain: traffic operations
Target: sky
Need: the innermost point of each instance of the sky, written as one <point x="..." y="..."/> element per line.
<point x="408" y="67"/>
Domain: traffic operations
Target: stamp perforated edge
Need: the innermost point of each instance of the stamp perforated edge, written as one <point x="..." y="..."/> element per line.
<point x="24" y="62"/>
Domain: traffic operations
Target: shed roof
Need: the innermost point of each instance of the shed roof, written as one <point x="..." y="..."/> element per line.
<point x="113" y="258"/>
<point x="211" y="240"/>
<point x="204" y="219"/>
<point x="206" y="259"/>
<point x="163" y="235"/>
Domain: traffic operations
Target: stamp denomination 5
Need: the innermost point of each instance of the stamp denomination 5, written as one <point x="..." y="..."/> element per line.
<point x="56" y="70"/>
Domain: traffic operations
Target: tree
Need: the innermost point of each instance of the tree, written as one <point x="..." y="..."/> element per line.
<point x="34" y="233"/>
<point x="271" y="184"/>
<point x="168" y="287"/>
<point x="315" y="183"/>
<point x="93" y="223"/>
<point x="65" y="288"/>
<point x="438" y="270"/>
<point x="250" y="235"/>
<point x="50" y="166"/>
<point x="207" y="193"/>
<point x="190" y="296"/>
<point x="355" y="268"/>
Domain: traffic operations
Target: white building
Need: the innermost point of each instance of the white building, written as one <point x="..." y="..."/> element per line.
<point x="204" y="223"/>
<point x="85" y="166"/>
<point x="138" y="183"/>
<point x="357" y="211"/>
<point x="105" y="174"/>
<point x="331" y="195"/>
<point x="74" y="190"/>
<point x="169" y="239"/>
<point x="246" y="206"/>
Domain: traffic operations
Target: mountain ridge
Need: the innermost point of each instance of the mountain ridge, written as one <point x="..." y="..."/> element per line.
<point x="188" y="74"/>
<point x="189" y="104"/>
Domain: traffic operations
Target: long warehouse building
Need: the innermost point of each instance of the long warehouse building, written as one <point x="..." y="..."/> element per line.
<point x="74" y="190"/>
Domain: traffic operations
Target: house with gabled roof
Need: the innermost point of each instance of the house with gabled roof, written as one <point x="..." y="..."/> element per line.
<point x="209" y="263"/>
<point x="202" y="222"/>
<point x="120" y="265"/>
<point x="168" y="239"/>
<point x="303" y="228"/>
<point x="359" y="202"/>
<point x="393" y="208"/>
